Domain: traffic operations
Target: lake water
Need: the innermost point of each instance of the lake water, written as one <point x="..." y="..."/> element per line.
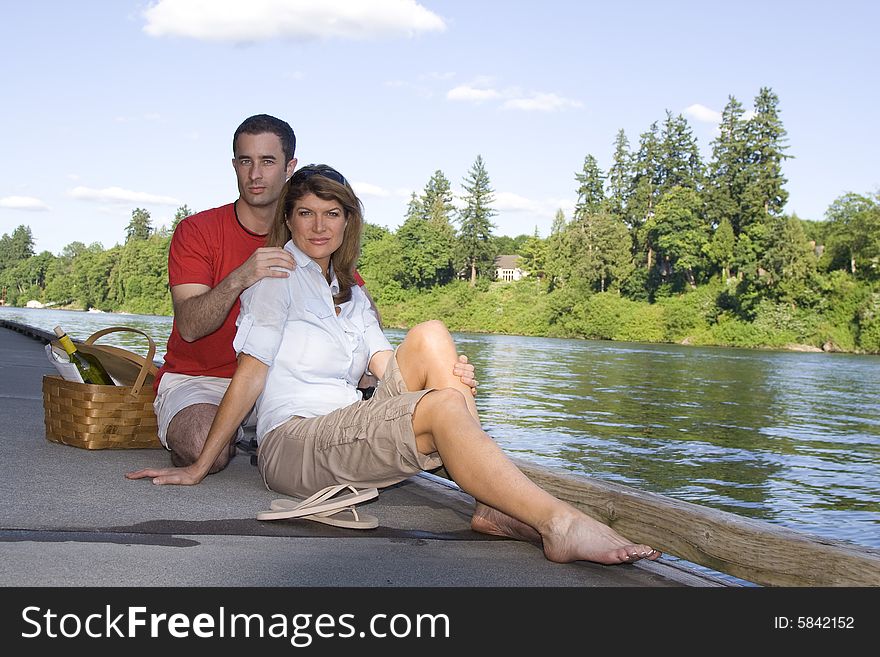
<point x="791" y="438"/>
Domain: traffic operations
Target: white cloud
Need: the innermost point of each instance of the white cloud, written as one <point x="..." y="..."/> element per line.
<point x="514" y="99"/>
<point x="259" y="20"/>
<point x="369" y="189"/>
<point x="472" y="94"/>
<point x="702" y="113"/>
<point x="511" y="202"/>
<point x="28" y="203"/>
<point x="119" y="195"/>
<point x="541" y="102"/>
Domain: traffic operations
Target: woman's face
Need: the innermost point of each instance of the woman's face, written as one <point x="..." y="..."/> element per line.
<point x="317" y="227"/>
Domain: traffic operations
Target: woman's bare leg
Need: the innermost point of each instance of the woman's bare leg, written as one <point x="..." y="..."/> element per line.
<point x="426" y="357"/>
<point x="508" y="502"/>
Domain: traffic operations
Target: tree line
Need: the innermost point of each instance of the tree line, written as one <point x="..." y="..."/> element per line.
<point x="661" y="246"/>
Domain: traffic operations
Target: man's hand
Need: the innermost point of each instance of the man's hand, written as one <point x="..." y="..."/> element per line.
<point x="200" y="310"/>
<point x="268" y="261"/>
<point x="187" y="476"/>
<point x="465" y="372"/>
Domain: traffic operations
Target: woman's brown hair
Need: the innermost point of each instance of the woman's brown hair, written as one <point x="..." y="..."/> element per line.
<point x="329" y="185"/>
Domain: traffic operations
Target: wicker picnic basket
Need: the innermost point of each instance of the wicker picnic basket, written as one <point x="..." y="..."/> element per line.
<point x="105" y="417"/>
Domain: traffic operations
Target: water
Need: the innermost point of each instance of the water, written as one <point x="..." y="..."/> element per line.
<point x="787" y="437"/>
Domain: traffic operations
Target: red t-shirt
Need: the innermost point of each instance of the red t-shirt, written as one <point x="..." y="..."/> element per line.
<point x="205" y="248"/>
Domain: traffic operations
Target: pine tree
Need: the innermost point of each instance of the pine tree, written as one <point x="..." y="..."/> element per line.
<point x="475" y="227"/>
<point x="766" y="139"/>
<point x="679" y="161"/>
<point x="534" y="255"/>
<point x="16" y="247"/>
<point x="139" y="228"/>
<point x="763" y="193"/>
<point x="612" y="256"/>
<point x="591" y="189"/>
<point x="643" y="195"/>
<point x="557" y="256"/>
<point x="619" y="176"/>
<point x="436" y="201"/>
<point x="680" y="233"/>
<point x="788" y="266"/>
<point x="728" y="170"/>
<point x="182" y="213"/>
<point x="719" y="249"/>
<point x="558" y="222"/>
<point x="645" y="179"/>
<point x="426" y="238"/>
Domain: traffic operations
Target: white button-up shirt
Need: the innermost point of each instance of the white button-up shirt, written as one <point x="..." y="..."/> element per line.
<point x="315" y="356"/>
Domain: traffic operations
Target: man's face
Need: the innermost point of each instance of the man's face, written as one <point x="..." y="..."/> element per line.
<point x="260" y="169"/>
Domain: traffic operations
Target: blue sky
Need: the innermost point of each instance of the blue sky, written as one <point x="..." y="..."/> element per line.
<point x="109" y="106"/>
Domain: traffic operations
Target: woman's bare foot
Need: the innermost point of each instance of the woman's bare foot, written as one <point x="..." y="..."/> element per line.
<point x="573" y="537"/>
<point x="578" y="537"/>
<point x="487" y="520"/>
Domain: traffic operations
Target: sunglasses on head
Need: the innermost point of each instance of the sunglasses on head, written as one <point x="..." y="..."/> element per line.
<point x="320" y="170"/>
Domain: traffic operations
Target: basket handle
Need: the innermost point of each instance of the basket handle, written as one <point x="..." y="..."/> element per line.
<point x="145" y="365"/>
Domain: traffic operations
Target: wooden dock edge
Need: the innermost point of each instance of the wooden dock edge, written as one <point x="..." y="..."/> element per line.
<point x="753" y="550"/>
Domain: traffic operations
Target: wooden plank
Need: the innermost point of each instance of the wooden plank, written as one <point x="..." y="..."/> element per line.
<point x="753" y="550"/>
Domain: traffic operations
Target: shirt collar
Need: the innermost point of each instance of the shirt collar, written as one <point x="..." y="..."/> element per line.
<point x="302" y="260"/>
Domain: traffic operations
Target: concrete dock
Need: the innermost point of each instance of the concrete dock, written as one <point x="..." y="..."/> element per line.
<point x="70" y="518"/>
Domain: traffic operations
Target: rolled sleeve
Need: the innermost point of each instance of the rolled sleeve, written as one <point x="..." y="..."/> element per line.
<point x="261" y="321"/>
<point x="373" y="336"/>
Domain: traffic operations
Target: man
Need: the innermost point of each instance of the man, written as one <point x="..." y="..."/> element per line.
<point x="214" y="256"/>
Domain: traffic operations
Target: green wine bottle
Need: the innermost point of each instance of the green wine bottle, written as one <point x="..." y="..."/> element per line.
<point x="90" y="368"/>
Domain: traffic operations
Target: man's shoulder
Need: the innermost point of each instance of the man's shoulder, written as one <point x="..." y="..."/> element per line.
<point x="206" y="222"/>
<point x="211" y="216"/>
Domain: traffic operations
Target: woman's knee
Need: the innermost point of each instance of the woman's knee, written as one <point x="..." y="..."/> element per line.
<point x="447" y="399"/>
<point x="430" y="334"/>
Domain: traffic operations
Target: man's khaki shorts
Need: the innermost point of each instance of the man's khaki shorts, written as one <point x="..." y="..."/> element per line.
<point x="177" y="391"/>
<point x="367" y="444"/>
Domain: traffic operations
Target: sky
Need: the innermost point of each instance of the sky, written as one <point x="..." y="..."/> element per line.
<point x="114" y="105"/>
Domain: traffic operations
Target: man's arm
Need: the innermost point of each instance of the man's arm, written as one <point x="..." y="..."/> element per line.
<point x="246" y="385"/>
<point x="199" y="310"/>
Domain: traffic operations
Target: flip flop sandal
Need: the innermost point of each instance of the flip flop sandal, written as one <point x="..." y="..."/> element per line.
<point x="325" y="500"/>
<point x="351" y="520"/>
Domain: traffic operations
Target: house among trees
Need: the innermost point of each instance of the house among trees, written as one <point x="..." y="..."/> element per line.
<point x="507" y="268"/>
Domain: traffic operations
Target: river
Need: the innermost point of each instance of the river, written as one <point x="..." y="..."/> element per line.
<point x="788" y="437"/>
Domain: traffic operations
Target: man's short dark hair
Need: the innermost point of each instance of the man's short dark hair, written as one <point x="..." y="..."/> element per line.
<point x="262" y="123"/>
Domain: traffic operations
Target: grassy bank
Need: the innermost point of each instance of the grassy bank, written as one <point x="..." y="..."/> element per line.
<point x="700" y="317"/>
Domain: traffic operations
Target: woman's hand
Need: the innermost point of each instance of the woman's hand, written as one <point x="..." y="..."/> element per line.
<point x="465" y="372"/>
<point x="188" y="476"/>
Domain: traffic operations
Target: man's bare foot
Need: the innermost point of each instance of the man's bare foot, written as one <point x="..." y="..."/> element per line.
<point x="578" y="537"/>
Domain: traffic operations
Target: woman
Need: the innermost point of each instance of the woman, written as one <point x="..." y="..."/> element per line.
<point x="304" y="341"/>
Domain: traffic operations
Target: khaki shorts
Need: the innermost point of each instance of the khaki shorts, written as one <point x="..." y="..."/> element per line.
<point x="368" y="444"/>
<point x="177" y="391"/>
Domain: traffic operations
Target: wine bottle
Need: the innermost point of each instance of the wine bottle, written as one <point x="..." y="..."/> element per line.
<point x="90" y="368"/>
